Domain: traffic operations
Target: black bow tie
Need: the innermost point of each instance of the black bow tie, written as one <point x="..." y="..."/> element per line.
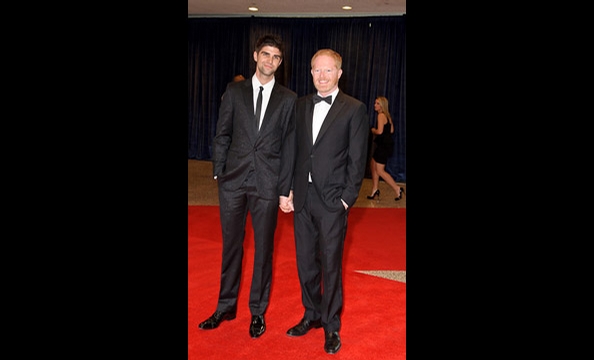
<point x="318" y="98"/>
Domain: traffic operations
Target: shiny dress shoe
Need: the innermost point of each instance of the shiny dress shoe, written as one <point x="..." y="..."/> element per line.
<point x="377" y="192"/>
<point x="215" y="320"/>
<point x="258" y="326"/>
<point x="400" y="196"/>
<point x="304" y="326"/>
<point x="332" y="344"/>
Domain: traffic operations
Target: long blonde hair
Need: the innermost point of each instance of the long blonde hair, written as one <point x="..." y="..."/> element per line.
<point x="384" y="105"/>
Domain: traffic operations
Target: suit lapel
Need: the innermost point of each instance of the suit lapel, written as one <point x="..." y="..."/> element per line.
<point x="248" y="101"/>
<point x="309" y="108"/>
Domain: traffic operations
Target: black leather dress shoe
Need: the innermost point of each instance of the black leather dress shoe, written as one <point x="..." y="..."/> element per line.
<point x="258" y="326"/>
<point x="303" y="327"/>
<point x="215" y="320"/>
<point x="332" y="344"/>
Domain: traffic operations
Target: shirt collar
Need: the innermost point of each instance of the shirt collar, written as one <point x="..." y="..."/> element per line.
<point x="256" y="84"/>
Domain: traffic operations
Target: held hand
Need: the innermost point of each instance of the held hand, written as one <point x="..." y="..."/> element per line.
<point x="285" y="204"/>
<point x="291" y="201"/>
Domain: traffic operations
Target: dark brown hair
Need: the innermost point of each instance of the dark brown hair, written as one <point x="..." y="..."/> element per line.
<point x="270" y="40"/>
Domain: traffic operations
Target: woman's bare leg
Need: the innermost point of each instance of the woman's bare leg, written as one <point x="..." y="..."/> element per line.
<point x="374" y="177"/>
<point x="381" y="172"/>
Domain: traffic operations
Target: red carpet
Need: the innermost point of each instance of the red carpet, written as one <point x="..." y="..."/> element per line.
<point x="374" y="313"/>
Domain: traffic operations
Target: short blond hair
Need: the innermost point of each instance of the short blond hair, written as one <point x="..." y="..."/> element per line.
<point x="329" y="52"/>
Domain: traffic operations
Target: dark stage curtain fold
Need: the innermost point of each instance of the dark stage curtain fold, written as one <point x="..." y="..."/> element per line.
<point x="374" y="64"/>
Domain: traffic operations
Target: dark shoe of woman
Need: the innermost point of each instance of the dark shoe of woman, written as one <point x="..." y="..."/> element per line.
<point x="400" y="196"/>
<point x="374" y="194"/>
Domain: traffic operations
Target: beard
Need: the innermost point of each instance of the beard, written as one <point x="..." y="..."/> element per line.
<point x="266" y="71"/>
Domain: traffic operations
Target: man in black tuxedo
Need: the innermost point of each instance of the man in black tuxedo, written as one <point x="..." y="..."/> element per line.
<point x="253" y="162"/>
<point x="331" y="136"/>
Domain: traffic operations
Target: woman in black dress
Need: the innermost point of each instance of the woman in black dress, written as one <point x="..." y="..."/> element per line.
<point x="384" y="146"/>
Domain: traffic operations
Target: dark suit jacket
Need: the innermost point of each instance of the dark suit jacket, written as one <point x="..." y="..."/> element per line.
<point x="337" y="160"/>
<point x="238" y="147"/>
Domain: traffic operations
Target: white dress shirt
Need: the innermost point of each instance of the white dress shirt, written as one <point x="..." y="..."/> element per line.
<point x="320" y="111"/>
<point x="265" y="95"/>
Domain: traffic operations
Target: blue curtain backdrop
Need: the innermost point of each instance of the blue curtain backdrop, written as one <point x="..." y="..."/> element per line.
<point x="374" y="64"/>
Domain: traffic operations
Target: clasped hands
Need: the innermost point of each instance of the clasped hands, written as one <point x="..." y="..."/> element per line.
<point x="286" y="203"/>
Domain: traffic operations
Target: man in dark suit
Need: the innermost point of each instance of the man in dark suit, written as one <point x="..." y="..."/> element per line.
<point x="253" y="162"/>
<point x="331" y="137"/>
